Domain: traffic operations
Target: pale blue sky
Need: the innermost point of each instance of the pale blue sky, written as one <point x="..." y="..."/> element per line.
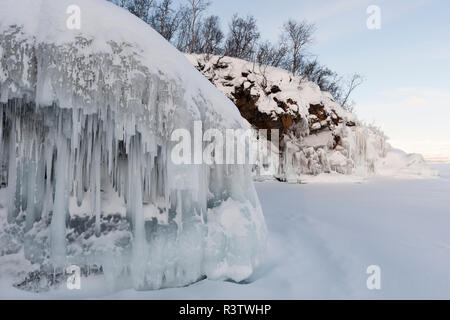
<point x="406" y="63"/>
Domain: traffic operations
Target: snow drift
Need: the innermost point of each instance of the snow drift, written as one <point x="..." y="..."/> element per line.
<point x="317" y="136"/>
<point x="86" y="116"/>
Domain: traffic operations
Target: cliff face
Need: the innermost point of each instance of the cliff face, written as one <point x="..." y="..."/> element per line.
<point x="316" y="134"/>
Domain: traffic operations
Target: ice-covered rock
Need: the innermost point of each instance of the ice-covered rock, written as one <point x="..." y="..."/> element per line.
<point x="86" y="117"/>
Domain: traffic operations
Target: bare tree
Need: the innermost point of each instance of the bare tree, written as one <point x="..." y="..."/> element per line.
<point x="196" y="8"/>
<point x="331" y="82"/>
<point x="355" y="81"/>
<point x="271" y="55"/>
<point x="211" y="36"/>
<point x="140" y="8"/>
<point x="325" y="78"/>
<point x="297" y="35"/>
<point x="183" y="39"/>
<point x="165" y="19"/>
<point x="242" y="37"/>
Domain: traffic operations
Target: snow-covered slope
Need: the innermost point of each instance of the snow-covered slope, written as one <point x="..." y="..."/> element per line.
<point x="316" y="134"/>
<point x="86" y="116"/>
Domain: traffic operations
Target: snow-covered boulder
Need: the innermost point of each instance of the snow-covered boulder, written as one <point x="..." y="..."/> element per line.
<point x="86" y="118"/>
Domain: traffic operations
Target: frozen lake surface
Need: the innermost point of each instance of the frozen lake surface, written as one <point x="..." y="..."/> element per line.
<point x="322" y="239"/>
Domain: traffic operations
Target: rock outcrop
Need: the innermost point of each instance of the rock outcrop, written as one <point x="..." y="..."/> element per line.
<point x="316" y="135"/>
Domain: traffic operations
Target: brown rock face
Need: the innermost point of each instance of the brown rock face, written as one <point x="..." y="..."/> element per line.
<point x="247" y="105"/>
<point x="319" y="118"/>
<point x="318" y="110"/>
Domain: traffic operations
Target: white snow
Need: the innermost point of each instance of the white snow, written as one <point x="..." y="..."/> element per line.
<point x="397" y="163"/>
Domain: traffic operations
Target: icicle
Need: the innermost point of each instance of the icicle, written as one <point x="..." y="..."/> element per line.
<point x="1" y="133"/>
<point x="95" y="189"/>
<point x="31" y="189"/>
<point x="139" y="253"/>
<point x="202" y="192"/>
<point x="13" y="208"/>
<point x="179" y="216"/>
<point x="58" y="224"/>
<point x="48" y="201"/>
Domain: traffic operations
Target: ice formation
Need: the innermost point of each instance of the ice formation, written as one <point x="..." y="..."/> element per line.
<point x="86" y="117"/>
<point x="316" y="134"/>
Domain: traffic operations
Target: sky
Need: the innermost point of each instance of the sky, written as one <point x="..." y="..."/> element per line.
<point x="405" y="63"/>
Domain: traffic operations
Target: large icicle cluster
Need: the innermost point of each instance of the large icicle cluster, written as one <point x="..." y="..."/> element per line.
<point x="86" y="117"/>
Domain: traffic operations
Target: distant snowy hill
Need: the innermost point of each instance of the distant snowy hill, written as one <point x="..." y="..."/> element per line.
<point x="317" y="136"/>
<point x="86" y="173"/>
<point x="438" y="158"/>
